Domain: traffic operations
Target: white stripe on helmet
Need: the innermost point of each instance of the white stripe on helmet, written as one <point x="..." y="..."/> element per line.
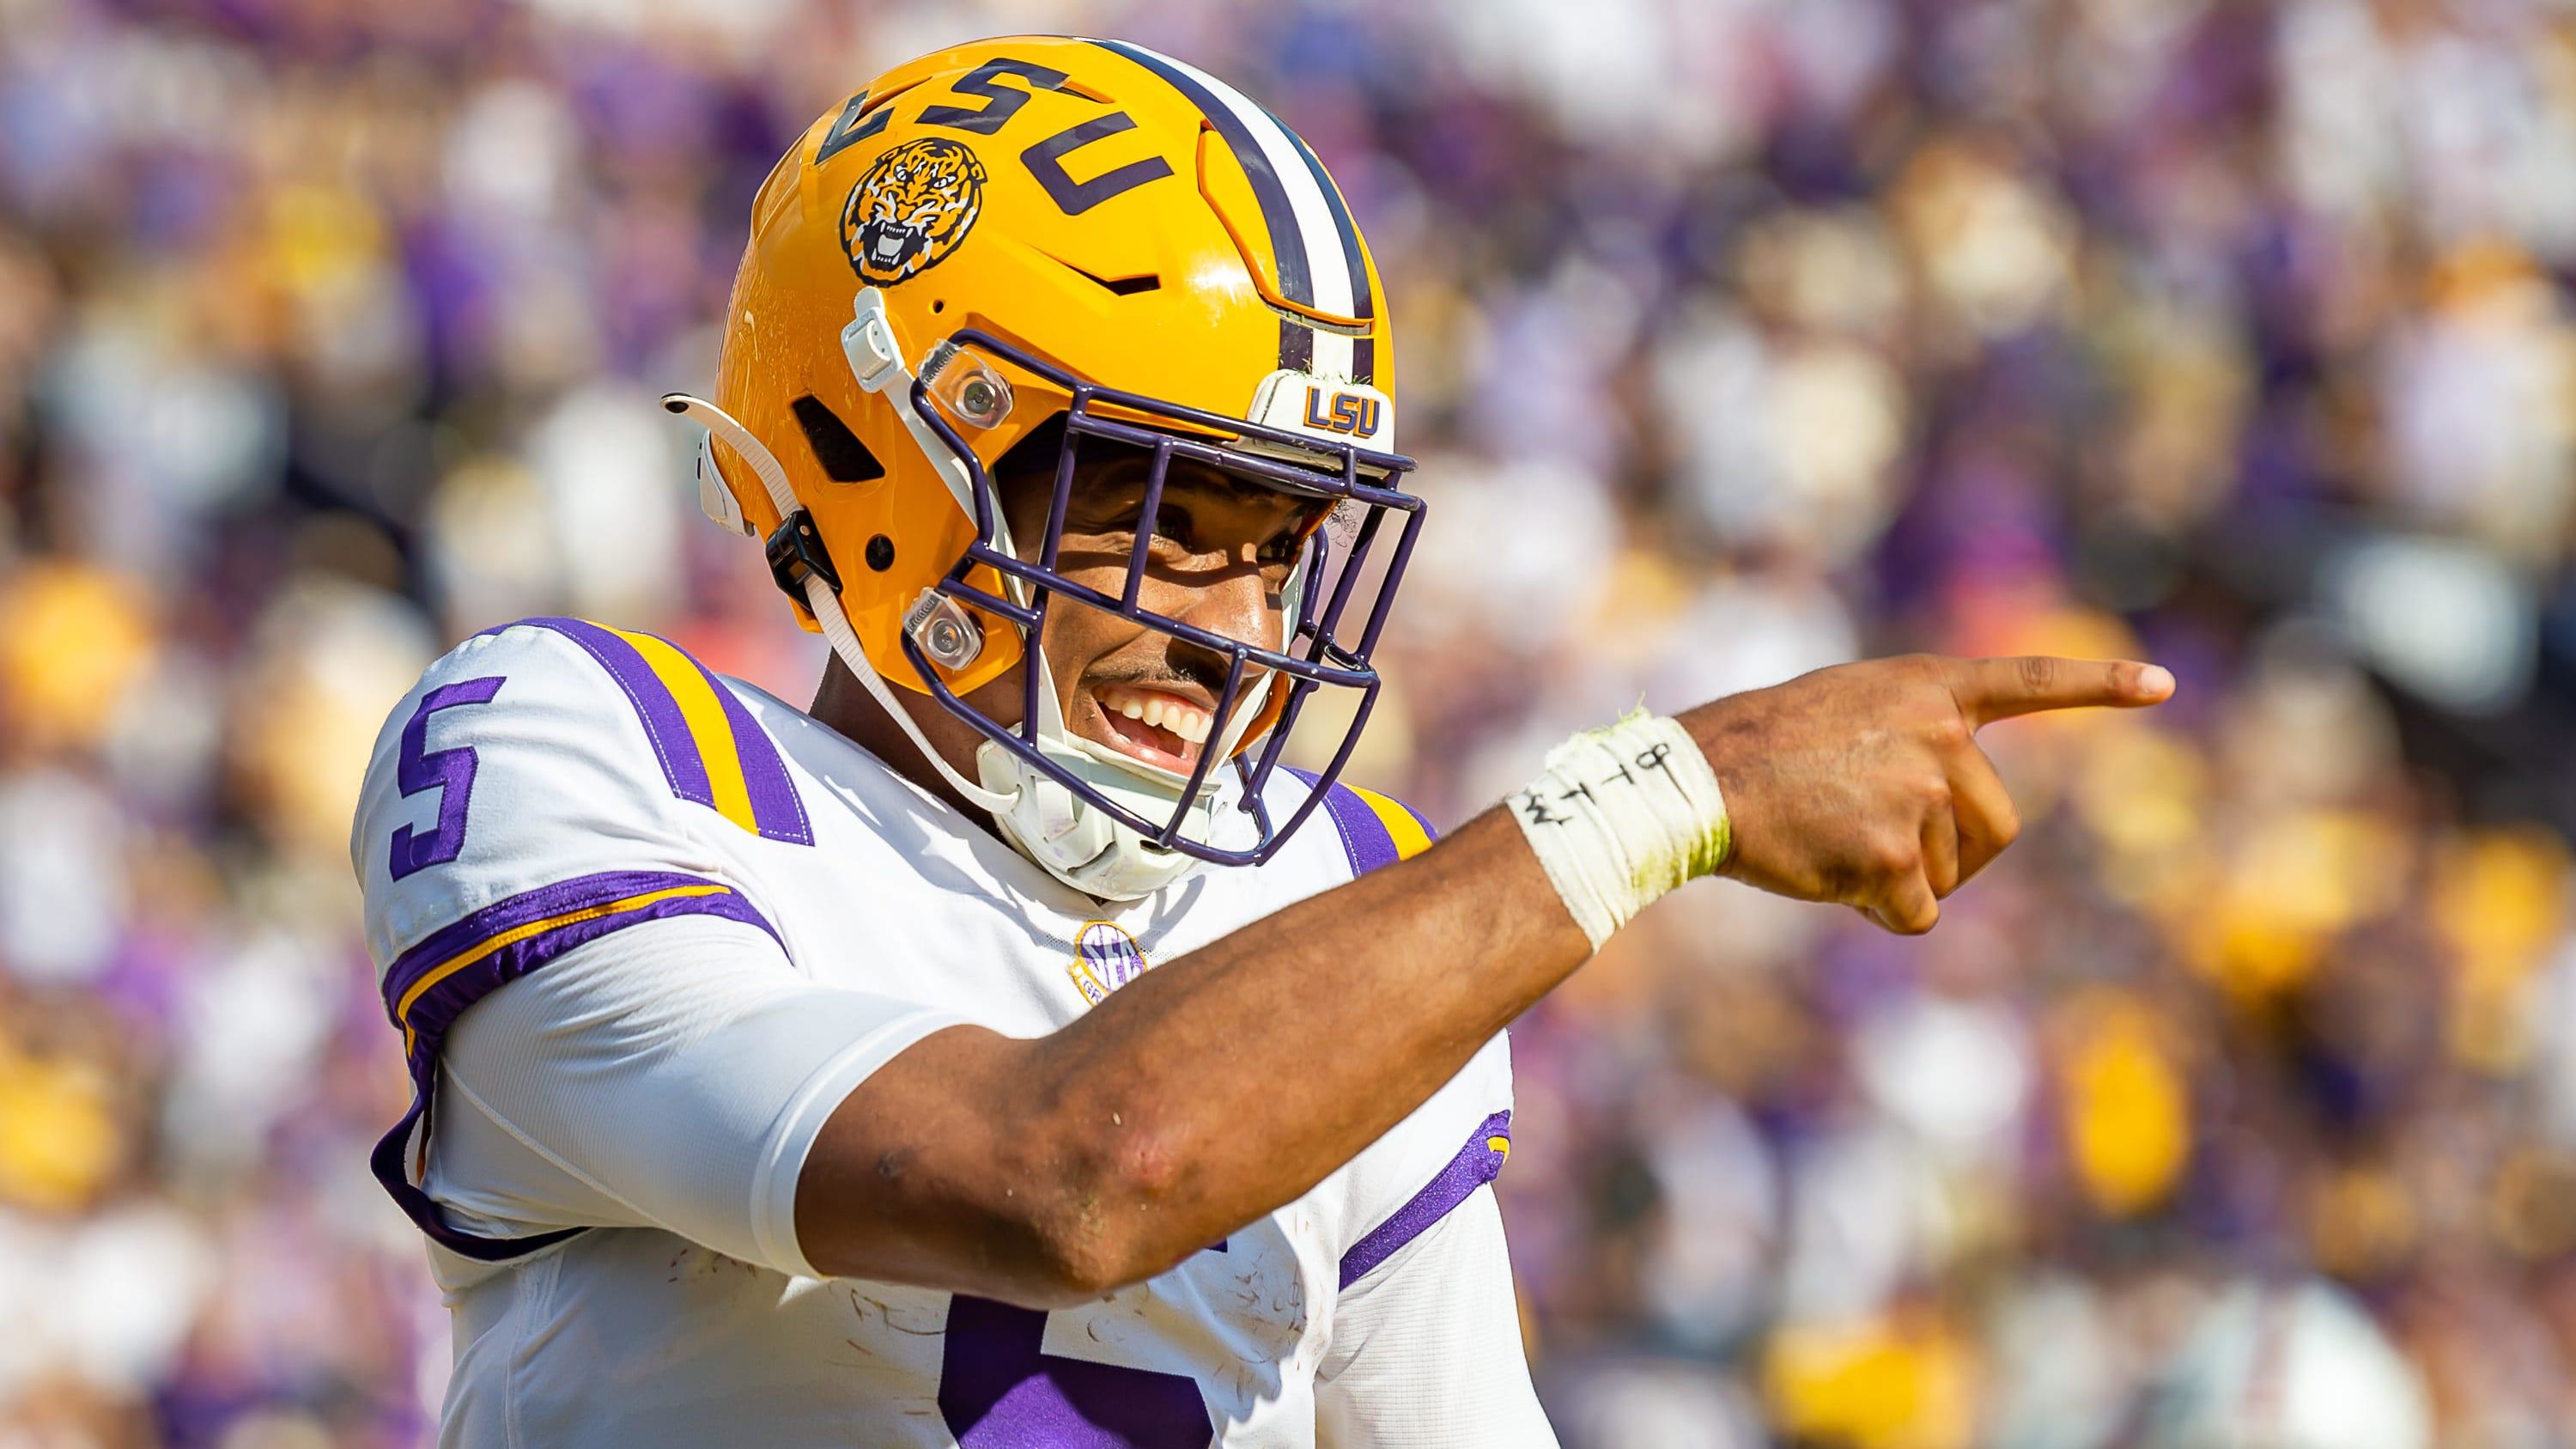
<point x="1326" y="266"/>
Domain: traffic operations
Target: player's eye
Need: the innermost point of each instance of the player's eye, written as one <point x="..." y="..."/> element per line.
<point x="1117" y="514"/>
<point x="1172" y="526"/>
<point x="1283" y="548"/>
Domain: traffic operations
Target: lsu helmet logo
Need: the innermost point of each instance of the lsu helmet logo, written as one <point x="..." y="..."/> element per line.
<point x="911" y="209"/>
<point x="1327" y="409"/>
<point x="1349" y="412"/>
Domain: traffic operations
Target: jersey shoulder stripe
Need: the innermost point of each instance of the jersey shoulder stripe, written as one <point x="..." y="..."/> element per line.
<point x="1477" y="1163"/>
<point x="711" y="750"/>
<point x="1377" y="830"/>
<point x="429" y="986"/>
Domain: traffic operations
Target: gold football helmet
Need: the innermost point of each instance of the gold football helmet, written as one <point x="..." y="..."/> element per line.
<point x="1045" y="232"/>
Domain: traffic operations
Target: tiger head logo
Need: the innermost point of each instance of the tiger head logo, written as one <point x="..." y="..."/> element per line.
<point x="911" y="209"/>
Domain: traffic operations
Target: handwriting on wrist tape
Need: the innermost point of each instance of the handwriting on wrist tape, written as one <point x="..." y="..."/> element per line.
<point x="1539" y="808"/>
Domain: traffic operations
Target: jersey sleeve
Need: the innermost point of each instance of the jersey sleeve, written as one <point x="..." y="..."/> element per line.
<point x="1424" y="1168"/>
<point x="529" y="804"/>
<point x="1425" y="1345"/>
<point x="1426" y="1350"/>
<point x="1419" y="1172"/>
<point x="671" y="1077"/>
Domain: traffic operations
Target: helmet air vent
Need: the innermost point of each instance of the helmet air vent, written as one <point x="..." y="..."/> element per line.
<point x="844" y="458"/>
<point x="1127" y="286"/>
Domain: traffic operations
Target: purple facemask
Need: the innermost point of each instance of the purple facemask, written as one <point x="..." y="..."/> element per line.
<point x="1322" y="650"/>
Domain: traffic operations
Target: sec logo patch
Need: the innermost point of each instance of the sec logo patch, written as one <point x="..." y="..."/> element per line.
<point x="912" y="209"/>
<point x="1104" y="959"/>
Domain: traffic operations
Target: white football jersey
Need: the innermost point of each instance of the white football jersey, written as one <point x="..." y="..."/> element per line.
<point x="593" y="811"/>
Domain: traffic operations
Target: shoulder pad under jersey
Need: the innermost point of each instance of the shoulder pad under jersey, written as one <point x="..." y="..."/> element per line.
<point x="549" y="752"/>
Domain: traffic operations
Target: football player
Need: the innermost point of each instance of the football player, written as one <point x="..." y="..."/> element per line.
<point x="831" y="1099"/>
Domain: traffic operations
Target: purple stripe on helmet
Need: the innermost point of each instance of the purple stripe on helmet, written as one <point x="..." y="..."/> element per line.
<point x="1475" y="1165"/>
<point x="440" y="1006"/>
<point x="663" y="723"/>
<point x="1278" y="214"/>
<point x="764" y="771"/>
<point x="1364" y="837"/>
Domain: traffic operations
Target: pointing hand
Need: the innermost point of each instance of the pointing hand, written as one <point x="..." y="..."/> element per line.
<point x="1863" y="784"/>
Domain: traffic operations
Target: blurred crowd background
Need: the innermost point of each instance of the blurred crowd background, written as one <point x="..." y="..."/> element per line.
<point x="2236" y="1106"/>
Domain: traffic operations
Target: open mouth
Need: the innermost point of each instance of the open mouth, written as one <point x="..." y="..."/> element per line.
<point x="1158" y="727"/>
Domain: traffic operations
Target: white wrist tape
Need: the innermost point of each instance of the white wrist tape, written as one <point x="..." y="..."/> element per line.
<point x="1622" y="815"/>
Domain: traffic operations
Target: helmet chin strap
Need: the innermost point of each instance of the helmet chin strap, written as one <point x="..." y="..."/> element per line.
<point x="824" y="604"/>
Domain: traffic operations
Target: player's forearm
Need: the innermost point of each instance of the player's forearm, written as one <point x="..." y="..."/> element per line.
<point x="1197" y="1098"/>
<point x="1226" y="1083"/>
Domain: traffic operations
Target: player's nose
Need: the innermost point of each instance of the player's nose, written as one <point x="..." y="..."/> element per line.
<point x="1237" y="604"/>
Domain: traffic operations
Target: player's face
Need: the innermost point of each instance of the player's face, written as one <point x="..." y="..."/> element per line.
<point x="1220" y="559"/>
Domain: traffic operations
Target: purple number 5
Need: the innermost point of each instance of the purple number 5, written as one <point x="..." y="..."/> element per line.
<point x="450" y="772"/>
<point x="999" y="1389"/>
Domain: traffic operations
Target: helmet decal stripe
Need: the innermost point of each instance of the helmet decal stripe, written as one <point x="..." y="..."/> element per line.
<point x="1363" y="349"/>
<point x="1277" y="174"/>
<point x="1313" y="201"/>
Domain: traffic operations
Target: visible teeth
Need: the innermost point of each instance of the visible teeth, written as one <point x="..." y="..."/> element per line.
<point x="1161" y="711"/>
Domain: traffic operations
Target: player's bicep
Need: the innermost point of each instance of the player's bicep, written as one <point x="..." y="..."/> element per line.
<point x="935" y="1173"/>
<point x="672" y="1074"/>
<point x="1426" y="1349"/>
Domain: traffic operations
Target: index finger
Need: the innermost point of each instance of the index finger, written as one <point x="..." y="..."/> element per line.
<point x="1991" y="689"/>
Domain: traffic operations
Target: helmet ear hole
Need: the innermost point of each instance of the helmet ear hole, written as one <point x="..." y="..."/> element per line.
<point x="844" y="458"/>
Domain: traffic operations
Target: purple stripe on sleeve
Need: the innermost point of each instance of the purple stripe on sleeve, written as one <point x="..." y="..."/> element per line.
<point x="1364" y="837"/>
<point x="1475" y="1165"/>
<point x="440" y="1006"/>
<point x="663" y="724"/>
<point x="764" y="771"/>
<point x="387" y="1163"/>
<point x="467" y="932"/>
